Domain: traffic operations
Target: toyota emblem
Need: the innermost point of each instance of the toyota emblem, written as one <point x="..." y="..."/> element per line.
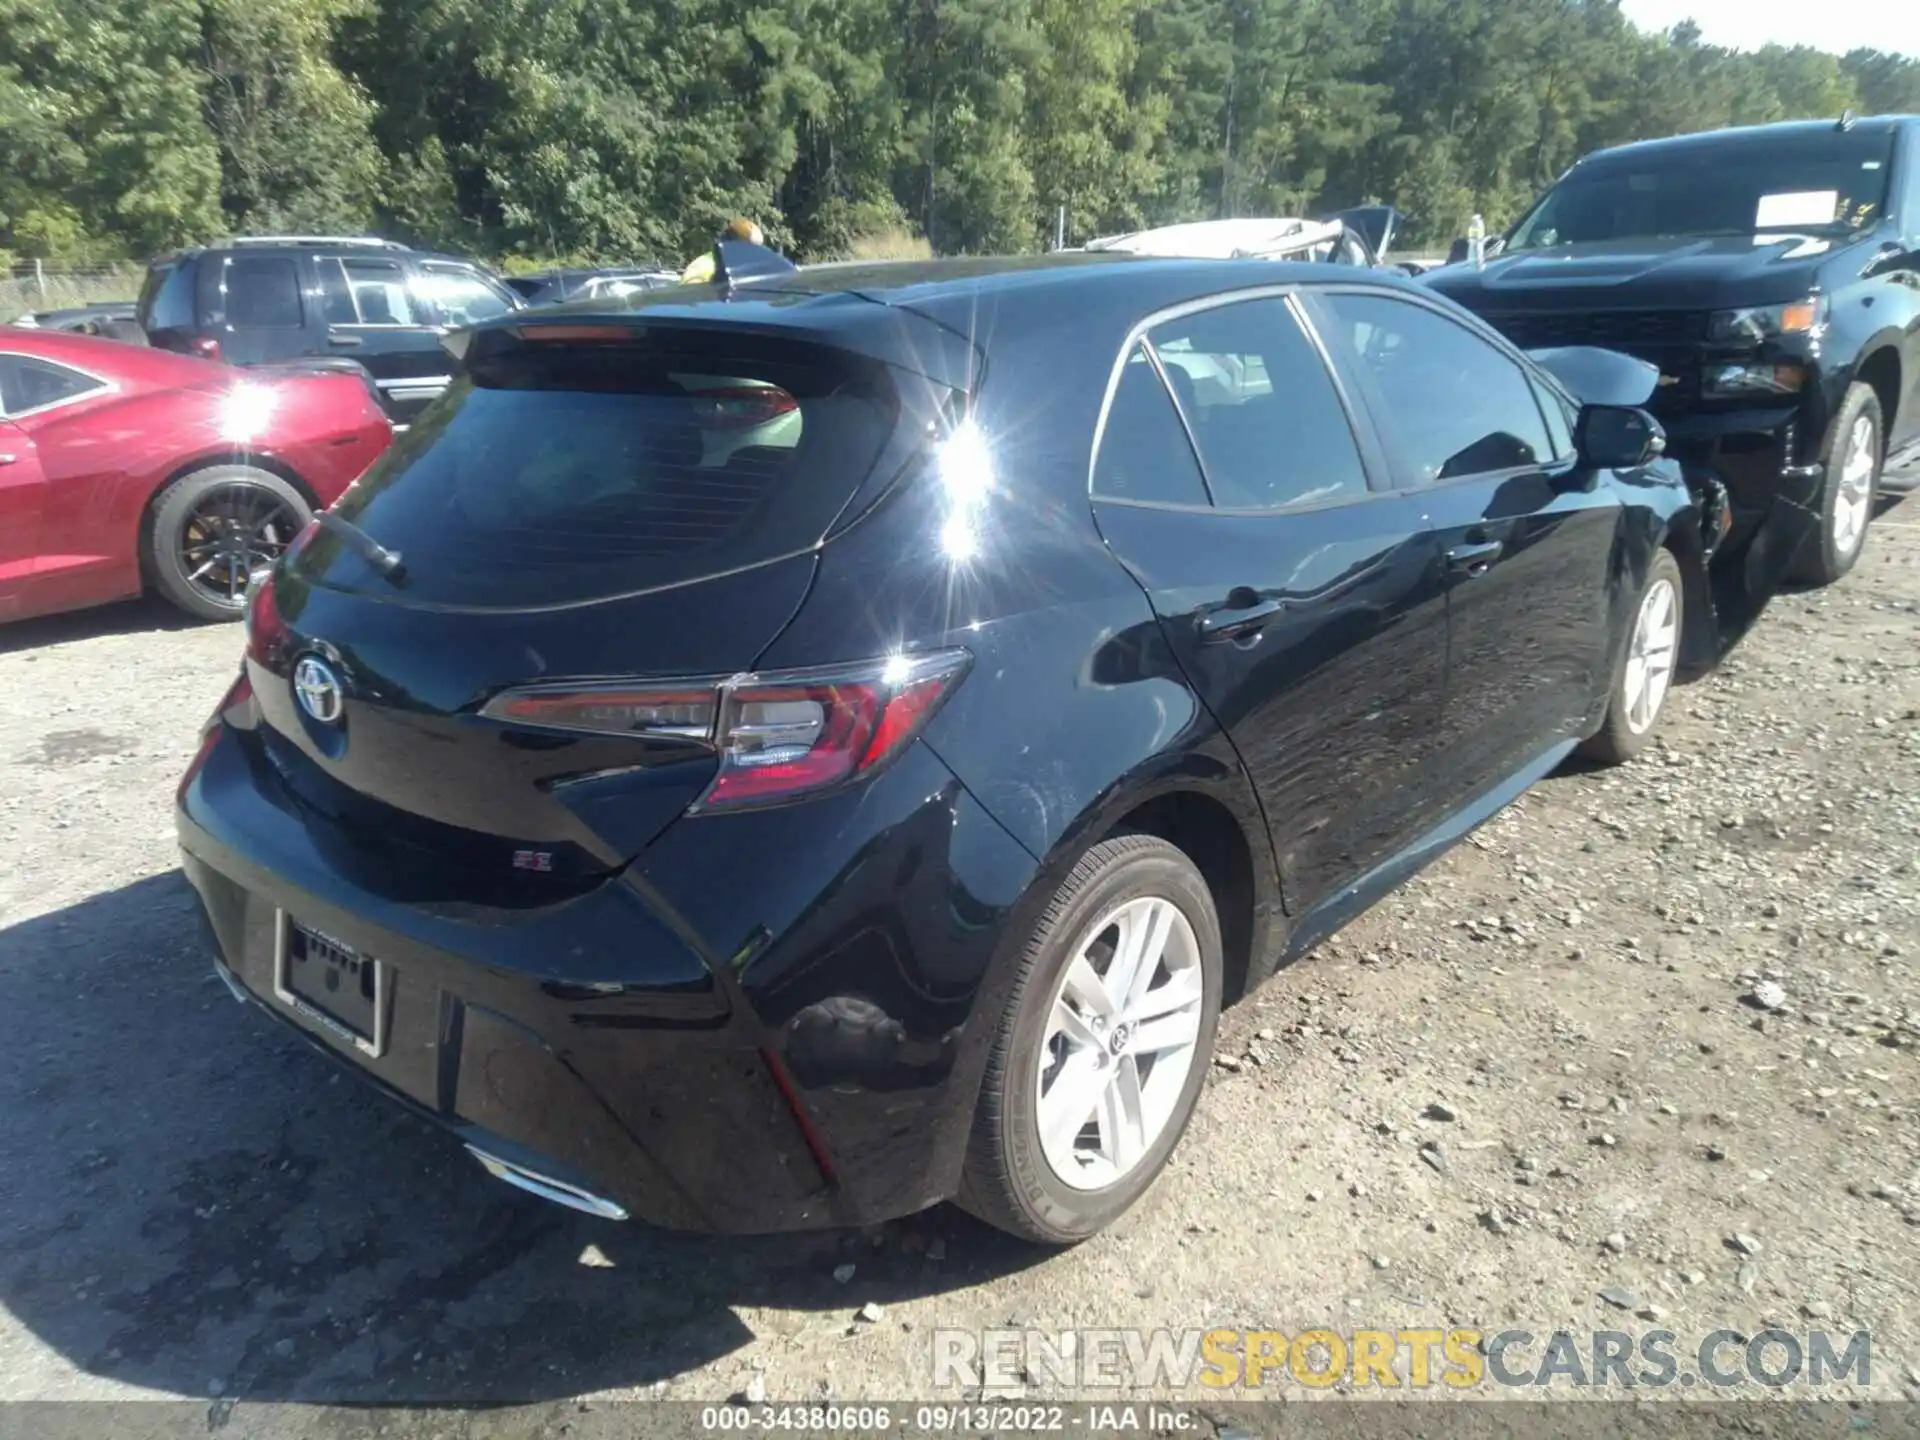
<point x="318" y="690"/>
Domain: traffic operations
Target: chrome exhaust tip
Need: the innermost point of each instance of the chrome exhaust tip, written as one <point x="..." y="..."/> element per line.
<point x="548" y="1188"/>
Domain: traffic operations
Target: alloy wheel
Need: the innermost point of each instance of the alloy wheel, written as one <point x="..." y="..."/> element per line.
<point x="233" y="531"/>
<point x="1853" y="490"/>
<point x="1650" y="654"/>
<point x="1121" y="1039"/>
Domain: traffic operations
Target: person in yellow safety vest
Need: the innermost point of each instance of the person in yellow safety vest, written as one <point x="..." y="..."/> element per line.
<point x="701" y="270"/>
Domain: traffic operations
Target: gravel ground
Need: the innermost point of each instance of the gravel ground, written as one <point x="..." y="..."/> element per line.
<point x="1640" y="1014"/>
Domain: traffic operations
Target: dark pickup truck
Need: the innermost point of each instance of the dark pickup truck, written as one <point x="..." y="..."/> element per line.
<point x="1773" y="275"/>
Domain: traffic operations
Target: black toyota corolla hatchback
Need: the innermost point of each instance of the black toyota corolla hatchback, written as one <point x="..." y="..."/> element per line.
<point x="788" y="752"/>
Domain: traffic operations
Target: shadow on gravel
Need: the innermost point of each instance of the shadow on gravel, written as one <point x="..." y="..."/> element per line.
<point x="128" y="617"/>
<point x="192" y="1201"/>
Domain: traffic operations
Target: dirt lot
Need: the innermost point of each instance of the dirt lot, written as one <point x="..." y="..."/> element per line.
<point x="1662" y="1006"/>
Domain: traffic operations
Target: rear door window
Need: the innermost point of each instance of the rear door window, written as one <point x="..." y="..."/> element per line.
<point x="336" y="297"/>
<point x="166" y="297"/>
<point x="1269" y="422"/>
<point x="554" y="474"/>
<point x="262" y="293"/>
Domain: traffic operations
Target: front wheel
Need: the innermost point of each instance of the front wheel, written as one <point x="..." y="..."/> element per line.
<point x="1644" y="676"/>
<point x="1852" y="456"/>
<point x="1101" y="1055"/>
<point x="213" y="529"/>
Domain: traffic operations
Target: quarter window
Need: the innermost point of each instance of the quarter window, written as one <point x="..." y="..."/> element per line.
<point x="1457" y="405"/>
<point x="1271" y="429"/>
<point x="30" y="384"/>
<point x="1144" y="454"/>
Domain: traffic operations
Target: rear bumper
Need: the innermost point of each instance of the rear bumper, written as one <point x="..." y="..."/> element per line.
<point x="610" y="1043"/>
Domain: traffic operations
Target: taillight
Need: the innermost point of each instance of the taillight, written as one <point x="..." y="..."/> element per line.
<point x="265" y="630"/>
<point x="206" y="347"/>
<point x="741" y="407"/>
<point x="779" y="734"/>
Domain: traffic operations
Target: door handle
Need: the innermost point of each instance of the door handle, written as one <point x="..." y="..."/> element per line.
<point x="342" y="340"/>
<point x="8" y="459"/>
<point x="1234" y="621"/>
<point x="1475" y="557"/>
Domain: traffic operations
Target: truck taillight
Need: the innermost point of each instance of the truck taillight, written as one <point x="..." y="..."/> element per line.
<point x="779" y="735"/>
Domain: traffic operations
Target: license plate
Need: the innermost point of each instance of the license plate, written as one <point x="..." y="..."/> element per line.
<point x="332" y="984"/>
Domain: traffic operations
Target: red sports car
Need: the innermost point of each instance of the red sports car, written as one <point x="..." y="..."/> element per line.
<point x="124" y="469"/>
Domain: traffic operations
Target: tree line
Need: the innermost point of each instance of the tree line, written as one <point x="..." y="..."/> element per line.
<point x="633" y="129"/>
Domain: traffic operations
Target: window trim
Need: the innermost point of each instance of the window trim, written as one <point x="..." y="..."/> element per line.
<point x="1403" y="470"/>
<point x="1375" y="466"/>
<point x="101" y="386"/>
<point x="1159" y="368"/>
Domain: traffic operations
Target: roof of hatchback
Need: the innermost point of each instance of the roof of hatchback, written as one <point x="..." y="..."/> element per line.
<point x="937" y="317"/>
<point x="1087" y="273"/>
<point x="819" y="296"/>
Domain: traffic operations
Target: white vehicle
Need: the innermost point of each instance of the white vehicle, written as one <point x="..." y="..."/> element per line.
<point x="1353" y="237"/>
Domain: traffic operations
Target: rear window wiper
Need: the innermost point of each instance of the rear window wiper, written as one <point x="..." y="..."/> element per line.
<point x="386" y="561"/>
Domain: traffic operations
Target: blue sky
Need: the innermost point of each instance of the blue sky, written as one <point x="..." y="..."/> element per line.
<point x="1837" y="25"/>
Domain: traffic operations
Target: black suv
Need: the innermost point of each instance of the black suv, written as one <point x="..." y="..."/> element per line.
<point x="1772" y="273"/>
<point x="377" y="303"/>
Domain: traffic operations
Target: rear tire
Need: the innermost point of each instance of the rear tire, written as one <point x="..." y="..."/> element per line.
<point x="1643" y="678"/>
<point x="1852" y="455"/>
<point x="1069" y="1047"/>
<point x="212" y="529"/>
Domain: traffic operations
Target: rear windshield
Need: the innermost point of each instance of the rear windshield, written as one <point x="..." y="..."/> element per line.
<point x="557" y="474"/>
<point x="1825" y="184"/>
<point x="166" y="299"/>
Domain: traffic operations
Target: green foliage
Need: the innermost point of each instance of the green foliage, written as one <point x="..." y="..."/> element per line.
<point x="632" y="130"/>
<point x="295" y="135"/>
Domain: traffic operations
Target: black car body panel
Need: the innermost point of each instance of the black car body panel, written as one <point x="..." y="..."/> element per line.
<point x="115" y="320"/>
<point x="1657" y="297"/>
<point x="780" y="1015"/>
<point x="378" y="304"/>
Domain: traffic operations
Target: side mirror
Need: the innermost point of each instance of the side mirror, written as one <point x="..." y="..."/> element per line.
<point x="1616" y="437"/>
<point x="1457" y="252"/>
